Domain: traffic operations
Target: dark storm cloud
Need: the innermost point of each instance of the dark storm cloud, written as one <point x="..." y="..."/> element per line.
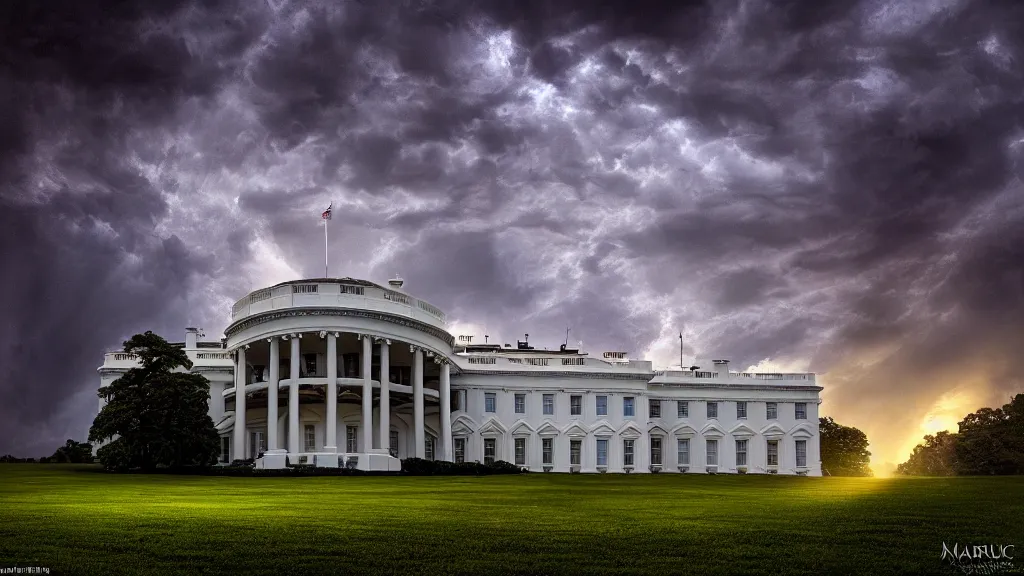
<point x="831" y="184"/>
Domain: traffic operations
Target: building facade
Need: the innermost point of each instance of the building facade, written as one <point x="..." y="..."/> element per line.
<point x="311" y="357"/>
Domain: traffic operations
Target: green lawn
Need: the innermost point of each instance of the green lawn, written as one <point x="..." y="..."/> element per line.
<point x="76" y="520"/>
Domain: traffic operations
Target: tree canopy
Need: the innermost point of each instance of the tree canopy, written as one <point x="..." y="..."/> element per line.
<point x="73" y="452"/>
<point x="844" y="449"/>
<point x="156" y="415"/>
<point x="989" y="441"/>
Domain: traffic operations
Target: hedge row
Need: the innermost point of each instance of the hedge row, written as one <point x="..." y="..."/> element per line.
<point x="422" y="467"/>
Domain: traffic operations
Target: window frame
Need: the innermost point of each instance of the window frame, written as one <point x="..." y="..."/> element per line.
<point x="308" y="434"/>
<point x="548" y="408"/>
<point x="492" y="443"/>
<point x="768" y="452"/>
<point x="576" y="405"/>
<point x="656" y="450"/>
<point x="575" y="452"/>
<point x="459" y="447"/>
<point x="680" y="444"/>
<point x="628" y="406"/>
<point x="516" y="443"/>
<point x="628" y="451"/>
<point x="602" y="459"/>
<point x="801" y="444"/>
<point x="771" y="410"/>
<point x="602" y="410"/>
<point x="797" y="406"/>
<point x="682" y="409"/>
<point x="547" y="448"/>
<point x="744" y="444"/>
<point x="520" y="403"/>
<point x="741" y="414"/>
<point x="710" y="443"/>
<point x="490" y="403"/>
<point x="653" y="408"/>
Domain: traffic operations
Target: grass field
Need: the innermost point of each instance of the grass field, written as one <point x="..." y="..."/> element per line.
<point x="76" y="520"/>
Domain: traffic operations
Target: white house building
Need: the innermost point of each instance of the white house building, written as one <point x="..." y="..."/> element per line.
<point x="311" y="356"/>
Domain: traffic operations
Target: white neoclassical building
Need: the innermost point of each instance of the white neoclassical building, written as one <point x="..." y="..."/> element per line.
<point x="346" y="372"/>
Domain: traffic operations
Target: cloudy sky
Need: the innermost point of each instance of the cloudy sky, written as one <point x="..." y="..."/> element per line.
<point x="830" y="186"/>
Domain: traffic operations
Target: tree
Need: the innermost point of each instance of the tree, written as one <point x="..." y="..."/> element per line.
<point x="935" y="457"/>
<point x="73" y="452"/>
<point x="844" y="449"/>
<point x="991" y="441"/>
<point x="157" y="414"/>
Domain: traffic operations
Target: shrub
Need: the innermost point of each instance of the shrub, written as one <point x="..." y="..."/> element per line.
<point x="422" y="467"/>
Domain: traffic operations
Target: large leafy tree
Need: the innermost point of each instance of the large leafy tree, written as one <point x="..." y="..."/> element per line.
<point x="73" y="452"/>
<point x="157" y="414"/>
<point x="991" y="441"/>
<point x="936" y="456"/>
<point x="844" y="449"/>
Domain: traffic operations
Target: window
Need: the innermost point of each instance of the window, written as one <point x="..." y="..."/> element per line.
<point x="602" y="452"/>
<point x="655" y="450"/>
<point x="460" y="450"/>
<point x="801" y="411"/>
<point x="428" y="447"/>
<point x="712" y="409"/>
<point x="683" y="451"/>
<point x="257" y="444"/>
<point x="490" y="402"/>
<point x="655" y="406"/>
<point x="461" y="395"/>
<point x="547" y="448"/>
<point x="772" y="410"/>
<point x="575" y="405"/>
<point x="520" y="403"/>
<point x="310" y="438"/>
<point x="350" y="440"/>
<point x="549" y="403"/>
<point x="602" y="405"/>
<point x="225" y="449"/>
<point x="627" y="406"/>
<point x="393" y="443"/>
<point x="683" y="409"/>
<point x="489" y="450"/>
<point x="712" y="452"/>
<point x="520" y="445"/>
<point x="574" y="452"/>
<point x="741" y="409"/>
<point x="310" y="364"/>
<point x="741" y="452"/>
<point x="627" y="452"/>
<point x="801" y="453"/>
<point x="773" y="452"/>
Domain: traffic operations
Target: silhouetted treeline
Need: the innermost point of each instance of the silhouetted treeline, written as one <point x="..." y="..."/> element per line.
<point x="989" y="441"/>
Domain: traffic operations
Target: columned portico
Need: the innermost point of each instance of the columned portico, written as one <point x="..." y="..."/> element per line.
<point x="446" y="411"/>
<point x="385" y="394"/>
<point x="272" y="393"/>
<point x="240" y="382"/>
<point x="293" y="396"/>
<point x="367" y="394"/>
<point x="417" y="398"/>
<point x="331" y="444"/>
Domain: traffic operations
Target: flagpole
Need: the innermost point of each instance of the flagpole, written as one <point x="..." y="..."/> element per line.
<point x="325" y="247"/>
<point x="681" y="352"/>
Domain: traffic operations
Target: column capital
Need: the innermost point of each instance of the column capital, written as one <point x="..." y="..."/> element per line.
<point x="271" y="339"/>
<point x="246" y="346"/>
<point x="323" y="334"/>
<point x="337" y="334"/>
<point x="413" y="349"/>
<point x="430" y="353"/>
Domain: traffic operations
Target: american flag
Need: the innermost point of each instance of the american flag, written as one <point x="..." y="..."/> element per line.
<point x="327" y="213"/>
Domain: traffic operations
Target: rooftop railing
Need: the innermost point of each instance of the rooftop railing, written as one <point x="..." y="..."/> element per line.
<point x="339" y="294"/>
<point x="805" y="376"/>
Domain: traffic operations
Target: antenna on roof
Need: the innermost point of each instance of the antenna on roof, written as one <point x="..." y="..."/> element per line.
<point x="566" y="337"/>
<point x="485" y="338"/>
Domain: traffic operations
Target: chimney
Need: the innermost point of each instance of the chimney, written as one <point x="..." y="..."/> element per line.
<point x="191" y="338"/>
<point x="396" y="283"/>
<point x="721" y="367"/>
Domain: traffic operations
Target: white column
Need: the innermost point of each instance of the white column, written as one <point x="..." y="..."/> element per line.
<point x="447" y="450"/>
<point x="293" y="398"/>
<point x="239" y="431"/>
<point x="367" y="395"/>
<point x="385" y="394"/>
<point x="417" y="402"/>
<point x="272" y="390"/>
<point x="332" y="393"/>
<point x="642" y="456"/>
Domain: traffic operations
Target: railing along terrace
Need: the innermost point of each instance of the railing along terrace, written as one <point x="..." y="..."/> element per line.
<point x="753" y="375"/>
<point x="325" y="294"/>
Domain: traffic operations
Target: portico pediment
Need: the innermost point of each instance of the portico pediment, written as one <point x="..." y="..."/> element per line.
<point x="773" y="431"/>
<point x="463" y="426"/>
<point x="684" y="431"/>
<point x="522" y="428"/>
<point x="741" y="430"/>
<point x="712" y="430"/>
<point x="492" y="427"/>
<point x="547" y="429"/>
<point x="629" y="430"/>
<point x="602" y="428"/>
<point x="575" y="430"/>
<point x="657" y="430"/>
<point x="802" y="431"/>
